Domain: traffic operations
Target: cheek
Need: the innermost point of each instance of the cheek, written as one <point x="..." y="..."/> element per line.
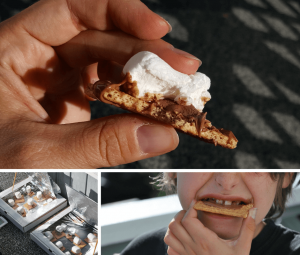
<point x="188" y="185"/>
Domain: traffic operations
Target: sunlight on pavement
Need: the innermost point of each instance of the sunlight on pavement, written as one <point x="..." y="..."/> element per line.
<point x="282" y="8"/>
<point x="282" y="29"/>
<point x="283" y="52"/>
<point x="246" y="160"/>
<point x="296" y="26"/>
<point x="295" y="5"/>
<point x="292" y="96"/>
<point x="257" y="3"/>
<point x="255" y="123"/>
<point x="253" y="83"/>
<point x="286" y="164"/>
<point x="179" y="32"/>
<point x="249" y="19"/>
<point x="290" y="124"/>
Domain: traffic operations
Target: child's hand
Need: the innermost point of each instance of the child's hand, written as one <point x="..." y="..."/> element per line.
<point x="186" y="235"/>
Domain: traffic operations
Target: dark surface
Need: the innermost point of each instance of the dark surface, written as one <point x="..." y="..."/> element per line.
<point x="250" y="50"/>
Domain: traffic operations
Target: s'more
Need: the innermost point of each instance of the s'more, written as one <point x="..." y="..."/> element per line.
<point x="152" y="88"/>
<point x="229" y="208"/>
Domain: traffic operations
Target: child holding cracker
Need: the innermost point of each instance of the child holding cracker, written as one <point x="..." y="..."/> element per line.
<point x="194" y="232"/>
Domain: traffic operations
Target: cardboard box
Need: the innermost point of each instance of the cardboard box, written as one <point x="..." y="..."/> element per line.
<point x="32" y="219"/>
<point x="82" y="209"/>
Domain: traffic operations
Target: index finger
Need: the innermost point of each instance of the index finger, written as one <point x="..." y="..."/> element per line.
<point x="194" y="226"/>
<point x="54" y="22"/>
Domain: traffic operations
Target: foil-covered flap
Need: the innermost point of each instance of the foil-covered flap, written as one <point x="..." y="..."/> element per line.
<point x="87" y="208"/>
<point x="42" y="181"/>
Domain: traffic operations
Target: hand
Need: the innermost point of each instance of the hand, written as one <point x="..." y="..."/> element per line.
<point x="186" y="235"/>
<point x="48" y="53"/>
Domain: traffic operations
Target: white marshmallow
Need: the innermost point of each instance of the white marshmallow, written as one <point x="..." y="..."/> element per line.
<point x="59" y="244"/>
<point x="30" y="201"/>
<point x="28" y="189"/>
<point x="11" y="202"/>
<point x="20" y="209"/>
<point x="49" y="200"/>
<point x="49" y="235"/>
<point x="91" y="237"/>
<point x="76" y="249"/>
<point x="68" y="253"/>
<point x="18" y="195"/>
<point x="77" y="240"/>
<point x="72" y="231"/>
<point x="59" y="229"/>
<point x="154" y="75"/>
<point x="64" y="226"/>
<point x="39" y="195"/>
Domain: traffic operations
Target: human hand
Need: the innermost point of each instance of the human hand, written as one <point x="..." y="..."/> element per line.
<point x="48" y="54"/>
<point x="186" y="235"/>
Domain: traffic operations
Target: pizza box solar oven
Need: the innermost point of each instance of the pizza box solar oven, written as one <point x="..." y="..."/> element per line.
<point x="35" y="210"/>
<point x="73" y="230"/>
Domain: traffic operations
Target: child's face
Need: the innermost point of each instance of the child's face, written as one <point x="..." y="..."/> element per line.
<point x="228" y="186"/>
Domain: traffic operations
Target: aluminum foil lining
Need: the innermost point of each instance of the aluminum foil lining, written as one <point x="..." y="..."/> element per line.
<point x="86" y="208"/>
<point x="44" y="183"/>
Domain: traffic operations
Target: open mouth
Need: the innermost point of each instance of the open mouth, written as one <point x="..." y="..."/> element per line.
<point x="236" y="208"/>
<point x="220" y="202"/>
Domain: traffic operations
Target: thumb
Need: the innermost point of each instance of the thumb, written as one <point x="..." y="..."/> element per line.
<point x="110" y="141"/>
<point x="247" y="232"/>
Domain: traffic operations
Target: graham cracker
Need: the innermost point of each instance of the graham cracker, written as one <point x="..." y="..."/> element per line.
<point x="30" y="207"/>
<point x="209" y="133"/>
<point x="39" y="200"/>
<point x="81" y="245"/>
<point x="21" y="200"/>
<point x="58" y="236"/>
<point x="31" y="194"/>
<point x="63" y="248"/>
<point x="235" y="212"/>
<point x="15" y="206"/>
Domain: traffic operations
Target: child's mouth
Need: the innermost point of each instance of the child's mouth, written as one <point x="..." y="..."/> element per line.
<point x="223" y="203"/>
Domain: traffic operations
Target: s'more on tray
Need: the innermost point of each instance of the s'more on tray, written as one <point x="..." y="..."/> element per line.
<point x="151" y="87"/>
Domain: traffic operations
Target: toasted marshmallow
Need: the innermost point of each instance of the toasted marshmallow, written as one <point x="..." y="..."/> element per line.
<point x="39" y="195"/>
<point x="49" y="200"/>
<point x="30" y="201"/>
<point x="49" y="235"/>
<point x="76" y="249"/>
<point x="76" y="240"/>
<point x="28" y="189"/>
<point x="64" y="226"/>
<point x="59" y="244"/>
<point x="59" y="229"/>
<point x="72" y="231"/>
<point x="20" y="210"/>
<point x="154" y="75"/>
<point x="92" y="237"/>
<point x="18" y="195"/>
<point x="11" y="202"/>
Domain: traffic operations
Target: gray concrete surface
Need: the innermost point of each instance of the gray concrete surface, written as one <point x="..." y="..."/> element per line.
<point x="250" y="50"/>
<point x="12" y="240"/>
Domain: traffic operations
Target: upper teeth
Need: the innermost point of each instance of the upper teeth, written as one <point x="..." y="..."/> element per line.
<point x="228" y="202"/>
<point x="219" y="201"/>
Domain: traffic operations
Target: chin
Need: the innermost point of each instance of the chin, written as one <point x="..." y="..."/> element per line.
<point x="225" y="227"/>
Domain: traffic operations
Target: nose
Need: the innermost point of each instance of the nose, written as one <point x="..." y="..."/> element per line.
<point x="227" y="180"/>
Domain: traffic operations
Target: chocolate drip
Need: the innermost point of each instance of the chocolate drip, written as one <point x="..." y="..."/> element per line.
<point x="199" y="122"/>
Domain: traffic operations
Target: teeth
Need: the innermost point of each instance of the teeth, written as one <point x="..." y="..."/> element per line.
<point x="219" y="201"/>
<point x="228" y="202"/>
<point x="238" y="202"/>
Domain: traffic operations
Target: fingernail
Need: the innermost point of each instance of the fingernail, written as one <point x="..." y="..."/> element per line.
<point x="156" y="139"/>
<point x="252" y="212"/>
<point x="185" y="54"/>
<point x="170" y="27"/>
